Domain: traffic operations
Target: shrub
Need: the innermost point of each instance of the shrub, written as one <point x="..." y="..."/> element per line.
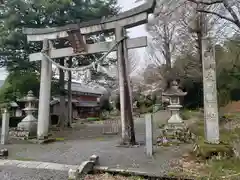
<point x="13" y="121"/>
<point x="93" y="119"/>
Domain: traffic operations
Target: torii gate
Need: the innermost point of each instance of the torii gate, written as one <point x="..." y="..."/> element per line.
<point x="77" y="32"/>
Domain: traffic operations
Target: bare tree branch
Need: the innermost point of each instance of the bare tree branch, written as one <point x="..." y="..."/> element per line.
<point x="219" y="15"/>
<point x="232" y="12"/>
<point x="235" y="19"/>
<point x="206" y="2"/>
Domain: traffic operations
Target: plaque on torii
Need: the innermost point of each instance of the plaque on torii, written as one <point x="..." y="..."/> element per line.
<point x="76" y="34"/>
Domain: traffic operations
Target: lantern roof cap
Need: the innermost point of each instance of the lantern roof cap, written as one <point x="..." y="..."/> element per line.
<point x="174" y="90"/>
<point x="30" y="97"/>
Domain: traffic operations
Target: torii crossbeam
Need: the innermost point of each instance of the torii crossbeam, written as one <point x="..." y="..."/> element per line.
<point x="118" y="24"/>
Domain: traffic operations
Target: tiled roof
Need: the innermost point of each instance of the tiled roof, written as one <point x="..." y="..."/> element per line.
<point x="87" y="104"/>
<point x="85" y="88"/>
<point x="13" y="104"/>
<point x="56" y="100"/>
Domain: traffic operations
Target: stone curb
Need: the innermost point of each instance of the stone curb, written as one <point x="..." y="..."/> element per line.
<point x="93" y="166"/>
<point x="129" y="172"/>
<point x="84" y="168"/>
<point x="37" y="165"/>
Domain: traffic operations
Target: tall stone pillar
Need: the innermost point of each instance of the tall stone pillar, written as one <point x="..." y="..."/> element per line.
<point x="128" y="135"/>
<point x="44" y="97"/>
<point x="211" y="119"/>
<point x="119" y="34"/>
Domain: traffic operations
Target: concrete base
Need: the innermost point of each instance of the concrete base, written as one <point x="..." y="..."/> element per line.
<point x="42" y="141"/>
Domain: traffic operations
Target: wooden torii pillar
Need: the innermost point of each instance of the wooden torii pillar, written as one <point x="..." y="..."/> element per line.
<point x="118" y="24"/>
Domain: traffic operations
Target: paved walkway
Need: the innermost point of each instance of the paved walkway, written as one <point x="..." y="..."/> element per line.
<point x="74" y="151"/>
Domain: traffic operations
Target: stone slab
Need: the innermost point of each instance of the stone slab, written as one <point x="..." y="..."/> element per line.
<point x="85" y="167"/>
<point x="37" y="165"/>
<point x="42" y="165"/>
<point x="95" y="159"/>
<point x="16" y="173"/>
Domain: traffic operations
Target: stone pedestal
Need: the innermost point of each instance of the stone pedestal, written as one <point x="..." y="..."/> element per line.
<point x="175" y="117"/>
<point x="29" y="124"/>
<point x="175" y="134"/>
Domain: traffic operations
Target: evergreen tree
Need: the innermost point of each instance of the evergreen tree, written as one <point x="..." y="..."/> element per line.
<point x="16" y="14"/>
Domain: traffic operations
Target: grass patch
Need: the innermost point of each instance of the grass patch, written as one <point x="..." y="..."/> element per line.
<point x="206" y="151"/>
<point x="185" y="114"/>
<point x="59" y="139"/>
<point x="93" y="119"/>
<point x="227" y="169"/>
<point x="226" y="136"/>
<point x="107" y="176"/>
<point x="24" y="159"/>
<point x="188" y="114"/>
<point x="218" y="159"/>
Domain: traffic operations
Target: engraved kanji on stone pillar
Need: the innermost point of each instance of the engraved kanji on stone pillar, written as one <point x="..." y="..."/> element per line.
<point x="210" y="92"/>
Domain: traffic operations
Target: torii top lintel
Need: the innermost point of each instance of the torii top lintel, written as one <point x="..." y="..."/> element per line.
<point x="127" y="19"/>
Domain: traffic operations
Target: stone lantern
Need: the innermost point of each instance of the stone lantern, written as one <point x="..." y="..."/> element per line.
<point x="174" y="94"/>
<point x="175" y="131"/>
<point x="29" y="123"/>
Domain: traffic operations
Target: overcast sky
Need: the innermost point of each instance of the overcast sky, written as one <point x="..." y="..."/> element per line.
<point x="129" y="4"/>
<point x="134" y="32"/>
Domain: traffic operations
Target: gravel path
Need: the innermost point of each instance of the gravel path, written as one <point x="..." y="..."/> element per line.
<point x="14" y="173"/>
<point x="73" y="152"/>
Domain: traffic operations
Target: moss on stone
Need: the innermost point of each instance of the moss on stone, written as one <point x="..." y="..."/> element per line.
<point x="206" y="151"/>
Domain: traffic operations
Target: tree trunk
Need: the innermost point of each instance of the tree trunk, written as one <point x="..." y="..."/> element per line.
<point x="70" y="94"/>
<point x="199" y="37"/>
<point x="61" y="121"/>
<point x="166" y="46"/>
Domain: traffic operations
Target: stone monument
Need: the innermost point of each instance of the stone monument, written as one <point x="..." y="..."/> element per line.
<point x="29" y="123"/>
<point x="175" y="131"/>
<point x="5" y="127"/>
